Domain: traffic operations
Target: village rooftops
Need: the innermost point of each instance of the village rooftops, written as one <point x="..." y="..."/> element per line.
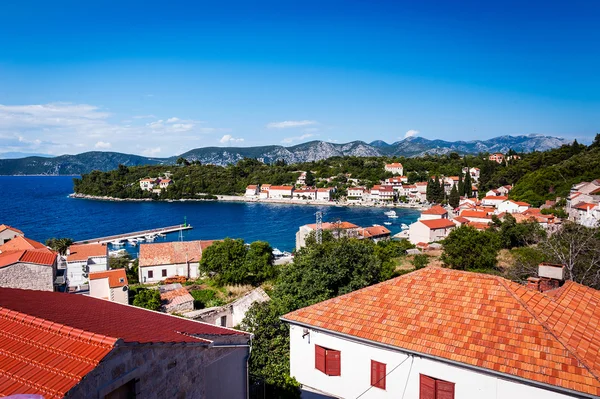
<point x="80" y="252"/>
<point x="477" y="320"/>
<point x="176" y="252"/>
<point x="475" y="214"/>
<point x="6" y="227"/>
<point x="435" y="224"/>
<point x="374" y="232"/>
<point x="43" y="257"/>
<point x="116" y="278"/>
<point x="287" y="188"/>
<point x="21" y="243"/>
<point x="51" y="340"/>
<point x="435" y="210"/>
<point x="495" y="198"/>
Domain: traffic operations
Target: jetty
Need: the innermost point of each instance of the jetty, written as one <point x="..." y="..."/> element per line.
<point x="135" y="234"/>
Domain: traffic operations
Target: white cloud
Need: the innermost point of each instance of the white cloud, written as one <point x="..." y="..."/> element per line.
<point x="228" y="138"/>
<point x="288" y="124"/>
<point x="288" y="140"/>
<point x="52" y="128"/>
<point x="151" y="152"/>
<point x="102" y="145"/>
<point x="411" y="133"/>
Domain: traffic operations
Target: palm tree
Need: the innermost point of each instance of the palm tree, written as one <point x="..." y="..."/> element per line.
<point x="60" y="245"/>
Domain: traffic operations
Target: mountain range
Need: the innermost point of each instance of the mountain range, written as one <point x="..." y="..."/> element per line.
<point x="305" y="152"/>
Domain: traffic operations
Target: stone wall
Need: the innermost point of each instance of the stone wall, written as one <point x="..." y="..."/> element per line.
<point x="178" y="371"/>
<point x="28" y="276"/>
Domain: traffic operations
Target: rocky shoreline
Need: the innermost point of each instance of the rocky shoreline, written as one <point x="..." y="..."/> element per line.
<point x="235" y="198"/>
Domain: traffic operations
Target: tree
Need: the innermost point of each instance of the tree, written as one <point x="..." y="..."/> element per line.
<point x="512" y="234"/>
<point x="578" y="248"/>
<point x="60" y="245"/>
<point x="468" y="186"/>
<point x="259" y="262"/>
<point x="149" y="299"/>
<point x="454" y="198"/>
<point x="182" y="161"/>
<point x="226" y="260"/>
<point x="420" y="261"/>
<point x="467" y="248"/>
<point x="310" y="178"/>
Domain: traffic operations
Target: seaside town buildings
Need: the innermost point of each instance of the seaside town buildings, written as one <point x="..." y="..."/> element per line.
<point x="583" y="203"/>
<point x="73" y="346"/>
<point x="80" y="261"/>
<point x="343" y="229"/>
<point x="442" y="333"/>
<point x="155" y="185"/>
<point x="110" y="285"/>
<point x="27" y="264"/>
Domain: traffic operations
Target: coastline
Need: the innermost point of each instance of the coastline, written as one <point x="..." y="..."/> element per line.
<point x="235" y="198"/>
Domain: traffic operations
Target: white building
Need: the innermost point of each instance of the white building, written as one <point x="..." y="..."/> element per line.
<point x="148" y="184"/>
<point x="493" y="200"/>
<point x="111" y="285"/>
<point x="474" y="172"/>
<point x="511" y="206"/>
<point x="430" y="230"/>
<point x="356" y="194"/>
<point x="324" y="194"/>
<point x="339" y="229"/>
<point x="252" y="190"/>
<point x="7" y="233"/>
<point x="170" y="259"/>
<point x="307" y="194"/>
<point x="281" y="192"/>
<point x="395" y="168"/>
<point x="444" y="334"/>
<point x="435" y="212"/>
<point x="83" y="259"/>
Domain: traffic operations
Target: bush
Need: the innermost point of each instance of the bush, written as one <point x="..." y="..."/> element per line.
<point x="149" y="299"/>
<point x="205" y="298"/>
<point x="420" y="261"/>
<point x="466" y="248"/>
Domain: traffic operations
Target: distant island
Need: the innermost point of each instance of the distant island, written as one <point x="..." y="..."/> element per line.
<point x="306" y="152"/>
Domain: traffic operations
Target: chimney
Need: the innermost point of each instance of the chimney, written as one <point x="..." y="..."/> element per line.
<point x="550" y="276"/>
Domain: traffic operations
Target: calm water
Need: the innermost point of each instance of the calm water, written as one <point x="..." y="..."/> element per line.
<point x="40" y="207"/>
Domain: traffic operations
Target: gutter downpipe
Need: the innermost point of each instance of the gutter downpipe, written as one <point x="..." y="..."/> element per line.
<point x="494" y="373"/>
<point x="246" y="358"/>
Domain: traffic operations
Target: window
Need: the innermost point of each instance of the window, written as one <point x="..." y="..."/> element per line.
<point x="328" y="361"/>
<point x="150" y="274"/>
<point x="431" y="388"/>
<point x="223" y="321"/>
<point x="377" y="374"/>
<point x="164" y="272"/>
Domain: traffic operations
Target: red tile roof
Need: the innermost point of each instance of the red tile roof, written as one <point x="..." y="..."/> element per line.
<point x="169" y="253"/>
<point x="584" y="206"/>
<point x="7" y="227"/>
<point x="287" y="188"/>
<point x="461" y="219"/>
<point x="81" y="252"/>
<point x="21" y="243"/>
<point x="474" y="214"/>
<point x="435" y="210"/>
<point x="496" y="197"/>
<point x="43" y="257"/>
<point x="332" y="226"/>
<point x="374" y="231"/>
<point x="435" y="224"/>
<point x="394" y="165"/>
<point x="476" y="319"/>
<point x="116" y="278"/>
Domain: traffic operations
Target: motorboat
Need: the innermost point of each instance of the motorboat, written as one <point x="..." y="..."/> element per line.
<point x="390" y="213"/>
<point x="404" y="226"/>
<point x="116" y="243"/>
<point x="387" y="223"/>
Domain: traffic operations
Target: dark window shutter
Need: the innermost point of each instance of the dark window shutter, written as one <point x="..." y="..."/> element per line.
<point x="333" y="362"/>
<point x="378" y="374"/>
<point x="426" y="387"/>
<point x="444" y="390"/>
<point x="320" y="358"/>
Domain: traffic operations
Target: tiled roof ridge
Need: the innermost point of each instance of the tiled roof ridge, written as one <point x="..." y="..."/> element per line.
<point x="57" y="328"/>
<point x="546" y="327"/>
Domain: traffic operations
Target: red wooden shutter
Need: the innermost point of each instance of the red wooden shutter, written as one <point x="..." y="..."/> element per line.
<point x="426" y="387"/>
<point x="444" y="390"/>
<point x="374" y="373"/>
<point x="381" y="376"/>
<point x="320" y="358"/>
<point x="378" y="374"/>
<point x="333" y="362"/>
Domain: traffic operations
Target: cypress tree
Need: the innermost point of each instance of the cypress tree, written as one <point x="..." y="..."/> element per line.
<point x="461" y="185"/>
<point x="468" y="186"/>
<point x="454" y="198"/>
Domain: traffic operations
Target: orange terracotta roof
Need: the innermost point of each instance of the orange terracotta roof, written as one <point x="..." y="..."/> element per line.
<point x="7" y="227"/>
<point x="467" y="213"/>
<point x="79" y="252"/>
<point x="21" y="243"/>
<point x="324" y="190"/>
<point x="282" y="188"/>
<point x="116" y="278"/>
<point x="595" y="192"/>
<point x="461" y="219"/>
<point x="169" y="253"/>
<point x="476" y="319"/>
<point x="496" y="197"/>
<point x="583" y="206"/>
<point x="435" y="224"/>
<point x="479" y="225"/>
<point x="250" y="187"/>
<point x="394" y="165"/>
<point x="43" y="257"/>
<point x="331" y="226"/>
<point x="520" y="203"/>
<point x="374" y="231"/>
<point x="45" y="358"/>
<point x="421" y="183"/>
<point x="435" y="210"/>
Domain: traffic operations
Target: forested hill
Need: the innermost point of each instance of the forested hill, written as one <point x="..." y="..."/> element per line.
<point x="306" y="152"/>
<point x="536" y="176"/>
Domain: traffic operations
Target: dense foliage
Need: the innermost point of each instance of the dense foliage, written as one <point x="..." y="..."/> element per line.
<point x="234" y="262"/>
<point x="60" y="245"/>
<point x="467" y="248"/>
<point x="124" y="262"/>
<point x="149" y="299"/>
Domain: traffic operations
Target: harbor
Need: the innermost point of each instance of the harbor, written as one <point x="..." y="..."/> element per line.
<point x="137" y="235"/>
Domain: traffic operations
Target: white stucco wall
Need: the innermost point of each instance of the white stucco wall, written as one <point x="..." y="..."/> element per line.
<point x="402" y="370"/>
<point x="7" y="235"/>
<point x="76" y="270"/>
<point x="431" y="217"/>
<point x="99" y="288"/>
<point x="180" y="269"/>
<point x="418" y="232"/>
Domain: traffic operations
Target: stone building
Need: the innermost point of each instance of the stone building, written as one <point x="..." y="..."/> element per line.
<point x="75" y="346"/>
<point x="33" y="269"/>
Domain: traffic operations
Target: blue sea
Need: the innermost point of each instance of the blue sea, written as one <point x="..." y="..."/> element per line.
<point x="41" y="208"/>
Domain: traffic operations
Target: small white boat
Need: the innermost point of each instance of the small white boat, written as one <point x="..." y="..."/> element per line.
<point x="132" y="241"/>
<point x="150" y="237"/>
<point x="116" y="243"/>
<point x="161" y="235"/>
<point x="141" y="239"/>
<point x="404" y="226"/>
<point x="390" y="213"/>
<point x="393" y="216"/>
<point x="387" y="223"/>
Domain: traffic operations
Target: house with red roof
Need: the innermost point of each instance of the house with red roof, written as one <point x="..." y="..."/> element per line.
<point x="493" y="200"/>
<point x="395" y="168"/>
<point x="497" y="157"/>
<point x="74" y="346"/>
<point x="442" y="333"/>
<point x="435" y="212"/>
<point x="339" y="229"/>
<point x="375" y="233"/>
<point x="431" y="230"/>
<point x="281" y="192"/>
<point x="7" y="233"/>
<point x="158" y="261"/>
<point x="252" y="190"/>
<point x="324" y="194"/>
<point x="111" y="285"/>
<point x="511" y="206"/>
<point x="21" y="243"/>
<point x="81" y="260"/>
<point x="477" y="216"/>
<point x="356" y="194"/>
<point x="305" y="193"/>
<point x="28" y="268"/>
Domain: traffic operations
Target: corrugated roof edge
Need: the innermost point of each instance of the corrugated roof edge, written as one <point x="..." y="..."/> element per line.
<point x="482" y="370"/>
<point x="57" y="328"/>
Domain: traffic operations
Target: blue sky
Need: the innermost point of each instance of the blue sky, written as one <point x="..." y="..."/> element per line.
<point x="160" y="78"/>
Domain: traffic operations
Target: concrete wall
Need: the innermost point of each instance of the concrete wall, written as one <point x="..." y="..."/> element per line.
<point x="28" y="276"/>
<point x="179" y="269"/>
<point x="169" y="371"/>
<point x="99" y="288"/>
<point x="402" y="372"/>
